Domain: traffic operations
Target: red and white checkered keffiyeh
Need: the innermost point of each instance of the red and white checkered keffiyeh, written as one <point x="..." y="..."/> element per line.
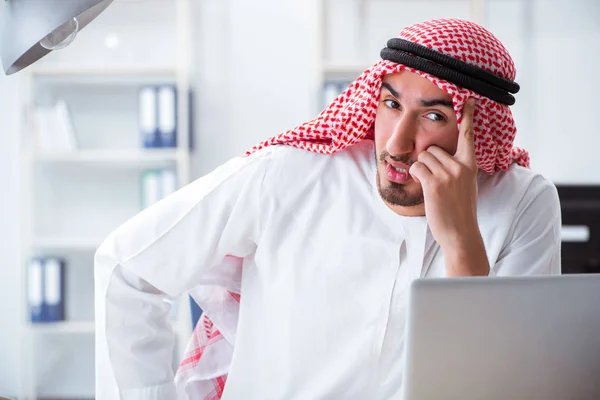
<point x="348" y="120"/>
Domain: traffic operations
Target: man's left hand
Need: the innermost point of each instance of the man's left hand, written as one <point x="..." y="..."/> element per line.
<point x="450" y="192"/>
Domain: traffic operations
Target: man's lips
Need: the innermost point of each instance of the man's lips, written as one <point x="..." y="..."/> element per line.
<point x="397" y="165"/>
<point x="397" y="172"/>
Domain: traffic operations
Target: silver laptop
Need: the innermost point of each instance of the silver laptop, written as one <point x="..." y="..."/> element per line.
<point x="523" y="338"/>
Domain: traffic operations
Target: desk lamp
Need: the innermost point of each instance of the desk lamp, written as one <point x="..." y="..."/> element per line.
<point x="30" y="29"/>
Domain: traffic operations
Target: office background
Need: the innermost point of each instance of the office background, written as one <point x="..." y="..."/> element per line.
<point x="255" y="68"/>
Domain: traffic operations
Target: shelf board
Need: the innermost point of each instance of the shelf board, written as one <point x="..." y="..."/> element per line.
<point x="50" y="243"/>
<point x="133" y="156"/>
<point x="58" y="70"/>
<point x="103" y="76"/>
<point x="63" y="327"/>
<point x="344" y="69"/>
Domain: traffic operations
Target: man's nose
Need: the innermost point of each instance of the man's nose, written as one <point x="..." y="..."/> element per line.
<point x="402" y="140"/>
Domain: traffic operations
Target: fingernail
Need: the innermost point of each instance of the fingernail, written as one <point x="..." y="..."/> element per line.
<point x="471" y="102"/>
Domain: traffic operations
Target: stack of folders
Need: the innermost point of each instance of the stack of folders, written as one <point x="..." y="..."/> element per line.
<point x="46" y="289"/>
<point x="158" y="116"/>
<point x="157" y="184"/>
<point x="332" y="89"/>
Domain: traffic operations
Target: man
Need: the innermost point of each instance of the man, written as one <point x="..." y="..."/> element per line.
<point x="302" y="254"/>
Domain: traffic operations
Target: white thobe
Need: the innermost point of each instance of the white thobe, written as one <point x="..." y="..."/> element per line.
<point x="325" y="275"/>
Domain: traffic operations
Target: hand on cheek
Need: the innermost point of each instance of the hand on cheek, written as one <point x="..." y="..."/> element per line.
<point x="450" y="191"/>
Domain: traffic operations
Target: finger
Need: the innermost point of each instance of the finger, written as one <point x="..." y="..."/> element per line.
<point x="442" y="155"/>
<point x="434" y="163"/>
<point x="420" y="172"/>
<point x="465" y="151"/>
<point x="451" y="165"/>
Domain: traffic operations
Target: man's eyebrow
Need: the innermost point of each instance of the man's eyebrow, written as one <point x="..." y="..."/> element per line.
<point x="436" y="102"/>
<point x="391" y="90"/>
<point x="423" y="103"/>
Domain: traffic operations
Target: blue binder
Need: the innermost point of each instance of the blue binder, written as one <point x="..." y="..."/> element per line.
<point x="35" y="288"/>
<point x="54" y="292"/>
<point x="148" y="116"/>
<point x="167" y="115"/>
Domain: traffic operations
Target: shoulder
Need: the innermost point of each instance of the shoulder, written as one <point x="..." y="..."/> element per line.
<point x="278" y="166"/>
<point x="518" y="190"/>
<point x="287" y="164"/>
<point x="358" y="153"/>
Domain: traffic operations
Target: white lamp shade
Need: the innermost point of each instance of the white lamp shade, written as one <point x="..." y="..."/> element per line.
<point x="26" y="22"/>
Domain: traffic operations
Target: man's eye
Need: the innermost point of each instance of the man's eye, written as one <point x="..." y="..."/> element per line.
<point x="436" y="117"/>
<point x="392" y="104"/>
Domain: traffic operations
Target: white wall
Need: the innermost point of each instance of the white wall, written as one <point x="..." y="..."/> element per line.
<point x="10" y="282"/>
<point x="255" y="73"/>
<point x="565" y="58"/>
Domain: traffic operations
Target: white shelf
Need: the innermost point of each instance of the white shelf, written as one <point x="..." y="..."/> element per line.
<point x="63" y="327"/>
<point x="110" y="70"/>
<point x="49" y="243"/>
<point x="109" y="75"/>
<point x="133" y="156"/>
<point x="352" y="70"/>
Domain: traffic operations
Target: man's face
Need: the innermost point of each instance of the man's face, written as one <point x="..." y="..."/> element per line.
<point x="412" y="115"/>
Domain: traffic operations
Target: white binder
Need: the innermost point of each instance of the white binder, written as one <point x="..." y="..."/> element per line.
<point x="151" y="188"/>
<point x="54" y="289"/>
<point x="148" y="119"/>
<point x="169" y="181"/>
<point x="35" y="290"/>
<point x="167" y="116"/>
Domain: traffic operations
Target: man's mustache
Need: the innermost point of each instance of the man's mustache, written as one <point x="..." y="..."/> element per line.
<point x="405" y="158"/>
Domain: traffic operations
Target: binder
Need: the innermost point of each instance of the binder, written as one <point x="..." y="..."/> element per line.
<point x="151" y="188"/>
<point x="35" y="290"/>
<point x="148" y="117"/>
<point x="156" y="184"/>
<point x="54" y="269"/>
<point x="167" y="115"/>
<point x="168" y="182"/>
<point x="332" y="89"/>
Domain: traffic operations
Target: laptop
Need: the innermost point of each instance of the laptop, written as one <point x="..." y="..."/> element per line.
<point x="519" y="338"/>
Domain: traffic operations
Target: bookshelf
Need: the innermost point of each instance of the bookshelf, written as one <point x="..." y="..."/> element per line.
<point x="74" y="197"/>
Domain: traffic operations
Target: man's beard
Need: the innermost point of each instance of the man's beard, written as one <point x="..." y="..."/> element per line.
<point x="395" y="193"/>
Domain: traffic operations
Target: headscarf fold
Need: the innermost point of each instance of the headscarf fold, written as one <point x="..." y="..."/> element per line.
<point x="348" y="120"/>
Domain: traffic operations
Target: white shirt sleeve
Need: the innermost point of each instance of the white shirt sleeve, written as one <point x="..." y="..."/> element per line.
<point x="534" y="240"/>
<point x="159" y="254"/>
